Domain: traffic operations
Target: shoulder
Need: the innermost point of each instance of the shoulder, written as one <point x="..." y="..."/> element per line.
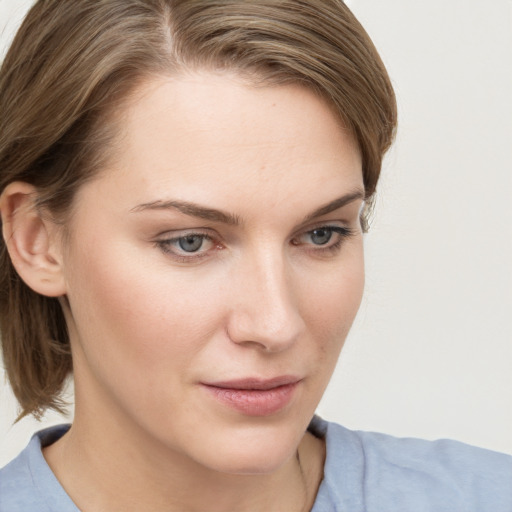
<point x="382" y="472"/>
<point x="28" y="484"/>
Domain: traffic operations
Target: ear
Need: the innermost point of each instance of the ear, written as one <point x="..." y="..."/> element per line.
<point x="32" y="240"/>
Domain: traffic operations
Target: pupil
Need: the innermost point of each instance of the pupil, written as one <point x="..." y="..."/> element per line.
<point x="190" y="243"/>
<point x="321" y="236"/>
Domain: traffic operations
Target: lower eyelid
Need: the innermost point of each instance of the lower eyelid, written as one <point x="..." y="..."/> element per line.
<point x="168" y="247"/>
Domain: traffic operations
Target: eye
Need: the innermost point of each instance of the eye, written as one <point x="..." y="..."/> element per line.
<point x="191" y="243"/>
<point x="323" y="238"/>
<point x="187" y="247"/>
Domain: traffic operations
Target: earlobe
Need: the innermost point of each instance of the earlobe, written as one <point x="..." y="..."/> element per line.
<point x="31" y="240"/>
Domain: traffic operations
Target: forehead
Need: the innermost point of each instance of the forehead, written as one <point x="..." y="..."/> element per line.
<point x="208" y="137"/>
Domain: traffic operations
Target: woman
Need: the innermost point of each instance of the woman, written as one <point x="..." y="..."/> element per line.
<point x="184" y="191"/>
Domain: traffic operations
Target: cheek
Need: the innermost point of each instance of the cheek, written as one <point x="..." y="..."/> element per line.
<point x="132" y="314"/>
<point x="332" y="298"/>
<point x="140" y="320"/>
<point x="330" y="307"/>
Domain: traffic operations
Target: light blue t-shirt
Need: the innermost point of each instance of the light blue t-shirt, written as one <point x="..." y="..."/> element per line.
<point x="364" y="472"/>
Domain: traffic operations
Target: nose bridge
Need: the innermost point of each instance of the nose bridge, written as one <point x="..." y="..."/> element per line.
<point x="266" y="310"/>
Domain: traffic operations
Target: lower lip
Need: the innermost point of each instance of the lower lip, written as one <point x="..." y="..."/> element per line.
<point x="255" y="402"/>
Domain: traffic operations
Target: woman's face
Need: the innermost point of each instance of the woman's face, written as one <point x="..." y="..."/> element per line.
<point x="214" y="269"/>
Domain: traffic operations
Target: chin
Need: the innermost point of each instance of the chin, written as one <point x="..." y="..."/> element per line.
<point x="257" y="462"/>
<point x="250" y="451"/>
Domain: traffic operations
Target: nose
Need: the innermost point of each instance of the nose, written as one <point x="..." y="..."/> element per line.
<point x="265" y="305"/>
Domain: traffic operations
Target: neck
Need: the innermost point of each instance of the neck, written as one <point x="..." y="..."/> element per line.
<point x="109" y="466"/>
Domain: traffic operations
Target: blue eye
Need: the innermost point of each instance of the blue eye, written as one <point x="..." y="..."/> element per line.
<point x="191" y="243"/>
<point x="187" y="247"/>
<point x="321" y="236"/>
<point x="324" y="239"/>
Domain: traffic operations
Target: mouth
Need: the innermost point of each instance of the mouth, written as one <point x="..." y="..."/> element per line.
<point x="254" y="396"/>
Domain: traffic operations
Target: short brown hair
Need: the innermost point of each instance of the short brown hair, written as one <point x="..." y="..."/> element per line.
<point x="72" y="63"/>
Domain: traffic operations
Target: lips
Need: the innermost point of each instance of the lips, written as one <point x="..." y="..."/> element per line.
<point x="254" y="396"/>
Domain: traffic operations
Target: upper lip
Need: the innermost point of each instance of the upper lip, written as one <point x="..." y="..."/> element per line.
<point x="255" y="383"/>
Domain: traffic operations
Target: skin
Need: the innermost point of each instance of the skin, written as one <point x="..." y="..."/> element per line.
<point x="150" y="323"/>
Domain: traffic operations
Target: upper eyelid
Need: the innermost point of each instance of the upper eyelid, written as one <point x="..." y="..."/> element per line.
<point x="343" y="231"/>
<point x="181" y="255"/>
<point x="181" y="233"/>
<point x="318" y="225"/>
<point x="344" y="215"/>
<point x="201" y="255"/>
<point x="171" y="239"/>
<point x="213" y="235"/>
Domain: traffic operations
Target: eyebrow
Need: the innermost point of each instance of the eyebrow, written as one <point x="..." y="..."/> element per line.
<point x="334" y="205"/>
<point x="212" y="214"/>
<point x="191" y="209"/>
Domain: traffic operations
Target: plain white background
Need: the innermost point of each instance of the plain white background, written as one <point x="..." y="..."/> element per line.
<point x="430" y="354"/>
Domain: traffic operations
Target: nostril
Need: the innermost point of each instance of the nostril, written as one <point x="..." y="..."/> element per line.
<point x="275" y="332"/>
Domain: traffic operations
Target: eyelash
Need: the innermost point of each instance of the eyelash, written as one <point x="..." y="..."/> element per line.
<point x="321" y="249"/>
<point x="166" y="245"/>
<point x="329" y="248"/>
